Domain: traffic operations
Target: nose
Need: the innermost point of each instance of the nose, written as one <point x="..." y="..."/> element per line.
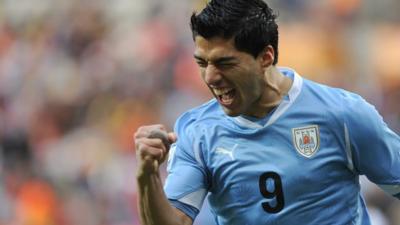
<point x="212" y="76"/>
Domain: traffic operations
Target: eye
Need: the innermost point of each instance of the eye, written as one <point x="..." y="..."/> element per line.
<point x="225" y="65"/>
<point x="201" y="63"/>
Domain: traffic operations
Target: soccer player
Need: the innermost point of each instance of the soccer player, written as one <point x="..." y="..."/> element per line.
<point x="271" y="147"/>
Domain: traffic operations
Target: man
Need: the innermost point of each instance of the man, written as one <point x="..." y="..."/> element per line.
<point x="272" y="147"/>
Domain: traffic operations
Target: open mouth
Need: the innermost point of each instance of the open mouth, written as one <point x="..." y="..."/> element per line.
<point x="225" y="95"/>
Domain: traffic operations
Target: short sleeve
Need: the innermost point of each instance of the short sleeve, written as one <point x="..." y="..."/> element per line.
<point x="187" y="178"/>
<point x="374" y="146"/>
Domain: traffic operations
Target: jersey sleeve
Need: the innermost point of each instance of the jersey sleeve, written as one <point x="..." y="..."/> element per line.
<point x="186" y="183"/>
<point x="374" y="147"/>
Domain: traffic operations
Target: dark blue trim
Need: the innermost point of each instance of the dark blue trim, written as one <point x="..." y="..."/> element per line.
<point x="185" y="208"/>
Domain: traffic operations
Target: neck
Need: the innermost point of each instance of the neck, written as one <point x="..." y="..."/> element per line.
<point x="276" y="87"/>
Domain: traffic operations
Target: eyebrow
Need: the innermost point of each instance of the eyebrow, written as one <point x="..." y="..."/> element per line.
<point x="218" y="60"/>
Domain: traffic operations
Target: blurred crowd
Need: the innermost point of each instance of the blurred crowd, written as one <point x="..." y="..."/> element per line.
<point x="77" y="77"/>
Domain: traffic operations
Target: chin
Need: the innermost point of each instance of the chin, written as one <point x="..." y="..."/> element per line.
<point x="231" y="113"/>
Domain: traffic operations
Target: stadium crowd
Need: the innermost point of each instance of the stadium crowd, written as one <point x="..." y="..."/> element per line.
<point x="78" y="77"/>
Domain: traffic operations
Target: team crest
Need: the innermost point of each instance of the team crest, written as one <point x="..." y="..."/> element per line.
<point x="306" y="140"/>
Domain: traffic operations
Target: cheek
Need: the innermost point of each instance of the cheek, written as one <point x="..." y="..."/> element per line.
<point x="202" y="73"/>
<point x="251" y="88"/>
<point x="249" y="81"/>
<point x="203" y="76"/>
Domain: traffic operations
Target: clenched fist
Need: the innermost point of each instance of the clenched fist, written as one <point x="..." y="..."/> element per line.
<point x="152" y="145"/>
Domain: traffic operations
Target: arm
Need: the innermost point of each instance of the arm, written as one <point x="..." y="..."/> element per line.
<point x="154" y="206"/>
<point x="375" y="148"/>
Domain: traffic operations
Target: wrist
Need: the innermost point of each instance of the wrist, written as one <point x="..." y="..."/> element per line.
<point x="143" y="177"/>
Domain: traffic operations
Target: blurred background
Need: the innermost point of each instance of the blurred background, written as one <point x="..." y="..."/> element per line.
<point x="77" y="78"/>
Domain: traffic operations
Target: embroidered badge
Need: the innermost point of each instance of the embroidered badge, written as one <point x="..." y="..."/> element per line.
<point x="306" y="140"/>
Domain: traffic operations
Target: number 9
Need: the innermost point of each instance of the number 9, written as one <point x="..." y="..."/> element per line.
<point x="277" y="193"/>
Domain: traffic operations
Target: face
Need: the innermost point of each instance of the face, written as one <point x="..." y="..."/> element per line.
<point x="235" y="78"/>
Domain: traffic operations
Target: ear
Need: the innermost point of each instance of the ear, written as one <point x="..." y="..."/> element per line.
<point x="267" y="56"/>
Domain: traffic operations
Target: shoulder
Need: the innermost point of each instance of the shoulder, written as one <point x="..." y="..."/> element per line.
<point x="338" y="106"/>
<point x="361" y="116"/>
<point x="356" y="108"/>
<point x="325" y="92"/>
<point x="194" y="119"/>
<point x="191" y="128"/>
<point x="350" y="108"/>
<point x="335" y="98"/>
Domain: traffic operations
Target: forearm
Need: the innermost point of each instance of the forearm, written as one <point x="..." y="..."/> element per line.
<point x="154" y="206"/>
<point x="152" y="144"/>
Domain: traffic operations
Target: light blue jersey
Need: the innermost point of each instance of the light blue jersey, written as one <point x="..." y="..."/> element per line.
<point x="299" y="165"/>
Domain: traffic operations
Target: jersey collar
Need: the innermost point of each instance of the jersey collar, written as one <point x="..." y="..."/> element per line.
<point x="282" y="107"/>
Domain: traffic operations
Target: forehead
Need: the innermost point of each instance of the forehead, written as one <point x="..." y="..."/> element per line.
<point x="215" y="48"/>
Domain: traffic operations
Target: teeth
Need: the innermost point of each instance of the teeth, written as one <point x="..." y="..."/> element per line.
<point x="222" y="91"/>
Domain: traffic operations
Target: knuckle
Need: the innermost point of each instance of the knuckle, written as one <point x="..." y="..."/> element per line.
<point x="136" y="134"/>
<point x="158" y="141"/>
<point x="159" y="126"/>
<point x="145" y="152"/>
<point x="138" y="142"/>
<point x="139" y="130"/>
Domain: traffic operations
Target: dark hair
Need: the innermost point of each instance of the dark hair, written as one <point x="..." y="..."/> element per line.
<point x="250" y="22"/>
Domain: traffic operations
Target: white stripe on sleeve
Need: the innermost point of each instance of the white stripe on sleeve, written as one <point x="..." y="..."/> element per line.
<point x="194" y="199"/>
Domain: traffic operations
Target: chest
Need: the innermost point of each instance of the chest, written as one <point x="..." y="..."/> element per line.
<point x="247" y="166"/>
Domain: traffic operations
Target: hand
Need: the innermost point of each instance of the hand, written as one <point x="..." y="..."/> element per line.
<point x="152" y="145"/>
